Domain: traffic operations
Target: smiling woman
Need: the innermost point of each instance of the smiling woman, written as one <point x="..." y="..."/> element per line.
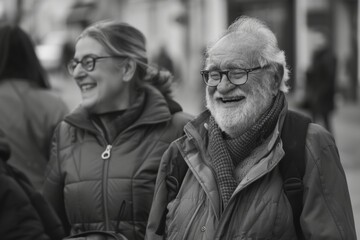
<point x="107" y="152"/>
<point x="103" y="81"/>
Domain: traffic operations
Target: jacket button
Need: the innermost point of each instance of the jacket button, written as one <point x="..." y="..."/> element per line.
<point x="203" y="228"/>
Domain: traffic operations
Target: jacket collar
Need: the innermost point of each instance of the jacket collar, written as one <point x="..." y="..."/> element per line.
<point x="156" y="110"/>
<point x="197" y="128"/>
<point x="196" y="131"/>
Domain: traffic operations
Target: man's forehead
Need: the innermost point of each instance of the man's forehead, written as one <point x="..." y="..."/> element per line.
<point x="237" y="42"/>
<point x="239" y="46"/>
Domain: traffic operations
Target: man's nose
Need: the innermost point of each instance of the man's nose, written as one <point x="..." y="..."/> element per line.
<point x="224" y="83"/>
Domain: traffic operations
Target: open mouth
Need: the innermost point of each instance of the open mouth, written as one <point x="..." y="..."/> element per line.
<point x="232" y="99"/>
<point x="87" y="87"/>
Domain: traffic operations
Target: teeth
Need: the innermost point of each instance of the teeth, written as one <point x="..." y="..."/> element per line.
<point x="87" y="87"/>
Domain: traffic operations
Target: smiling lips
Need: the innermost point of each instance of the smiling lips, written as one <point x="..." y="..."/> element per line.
<point x="231" y="99"/>
<point x="87" y="87"/>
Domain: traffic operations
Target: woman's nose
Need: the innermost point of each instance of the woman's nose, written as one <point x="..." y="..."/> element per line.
<point x="78" y="72"/>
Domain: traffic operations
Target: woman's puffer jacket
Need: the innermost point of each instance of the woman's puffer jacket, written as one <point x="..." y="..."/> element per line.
<point x="89" y="179"/>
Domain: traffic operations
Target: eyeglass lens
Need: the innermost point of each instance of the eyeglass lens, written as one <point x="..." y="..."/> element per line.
<point x="88" y="63"/>
<point x="236" y="77"/>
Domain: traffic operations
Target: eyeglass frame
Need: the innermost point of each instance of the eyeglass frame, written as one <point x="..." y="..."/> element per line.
<point x="94" y="60"/>
<point x="226" y="73"/>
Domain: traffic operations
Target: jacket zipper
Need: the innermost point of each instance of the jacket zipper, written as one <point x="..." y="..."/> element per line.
<point x="105" y="156"/>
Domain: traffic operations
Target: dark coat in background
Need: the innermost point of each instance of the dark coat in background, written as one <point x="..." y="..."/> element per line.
<point x="29" y="110"/>
<point x="321" y="80"/>
<point x="320" y="85"/>
<point x="24" y="214"/>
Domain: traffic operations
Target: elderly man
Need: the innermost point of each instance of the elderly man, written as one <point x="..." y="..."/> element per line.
<point x="222" y="180"/>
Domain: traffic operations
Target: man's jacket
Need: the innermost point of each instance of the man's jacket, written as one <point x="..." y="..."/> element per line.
<point x="89" y="179"/>
<point x="258" y="208"/>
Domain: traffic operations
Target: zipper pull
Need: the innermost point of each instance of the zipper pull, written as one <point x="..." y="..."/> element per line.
<point x="106" y="153"/>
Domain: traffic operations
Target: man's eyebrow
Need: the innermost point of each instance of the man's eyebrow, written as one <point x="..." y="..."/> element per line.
<point x="234" y="65"/>
<point x="211" y="67"/>
<point x="231" y="65"/>
<point x="85" y="56"/>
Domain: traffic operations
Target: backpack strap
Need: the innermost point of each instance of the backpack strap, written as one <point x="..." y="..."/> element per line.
<point x="176" y="172"/>
<point x="292" y="166"/>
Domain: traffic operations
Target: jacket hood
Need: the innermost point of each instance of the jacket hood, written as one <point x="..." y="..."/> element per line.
<point x="156" y="110"/>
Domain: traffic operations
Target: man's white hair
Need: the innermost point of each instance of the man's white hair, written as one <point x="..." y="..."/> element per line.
<point x="267" y="50"/>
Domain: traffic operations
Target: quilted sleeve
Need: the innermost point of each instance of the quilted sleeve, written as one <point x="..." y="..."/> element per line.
<point x="53" y="188"/>
<point x="327" y="211"/>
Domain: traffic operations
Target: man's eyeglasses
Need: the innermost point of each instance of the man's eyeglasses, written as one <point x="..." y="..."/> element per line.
<point x="238" y="76"/>
<point x="87" y="63"/>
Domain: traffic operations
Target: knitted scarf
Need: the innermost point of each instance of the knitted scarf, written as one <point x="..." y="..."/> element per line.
<point x="226" y="152"/>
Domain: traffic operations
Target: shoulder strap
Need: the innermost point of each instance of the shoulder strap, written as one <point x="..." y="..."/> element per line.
<point x="175" y="175"/>
<point x="292" y="166"/>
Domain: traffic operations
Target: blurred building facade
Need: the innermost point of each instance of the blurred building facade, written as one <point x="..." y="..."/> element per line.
<point x="185" y="27"/>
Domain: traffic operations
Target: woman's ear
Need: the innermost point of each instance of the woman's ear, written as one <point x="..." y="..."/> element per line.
<point x="129" y="70"/>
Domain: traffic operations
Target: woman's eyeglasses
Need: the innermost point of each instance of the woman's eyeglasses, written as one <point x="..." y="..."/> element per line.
<point x="87" y="63"/>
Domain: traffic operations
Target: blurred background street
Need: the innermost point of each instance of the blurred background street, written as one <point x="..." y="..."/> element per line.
<point x="346" y="123"/>
<point x="178" y="31"/>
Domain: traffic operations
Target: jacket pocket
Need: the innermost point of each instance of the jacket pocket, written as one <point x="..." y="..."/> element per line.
<point x="188" y="218"/>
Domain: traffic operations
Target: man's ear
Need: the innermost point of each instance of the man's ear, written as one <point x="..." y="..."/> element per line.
<point x="278" y="76"/>
<point x="129" y="70"/>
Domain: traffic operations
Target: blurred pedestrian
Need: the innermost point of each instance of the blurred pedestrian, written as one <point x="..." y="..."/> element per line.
<point x="164" y="61"/>
<point x="19" y="218"/>
<point x="320" y="84"/>
<point x="29" y="110"/>
<point x="224" y="178"/>
<point x="106" y="153"/>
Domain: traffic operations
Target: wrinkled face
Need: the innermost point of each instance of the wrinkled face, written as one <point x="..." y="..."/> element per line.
<point x="102" y="89"/>
<point x="235" y="108"/>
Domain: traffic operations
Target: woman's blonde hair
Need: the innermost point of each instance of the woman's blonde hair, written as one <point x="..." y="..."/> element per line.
<point x="122" y="39"/>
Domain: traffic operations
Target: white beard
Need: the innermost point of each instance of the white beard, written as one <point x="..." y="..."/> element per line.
<point x="235" y="121"/>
